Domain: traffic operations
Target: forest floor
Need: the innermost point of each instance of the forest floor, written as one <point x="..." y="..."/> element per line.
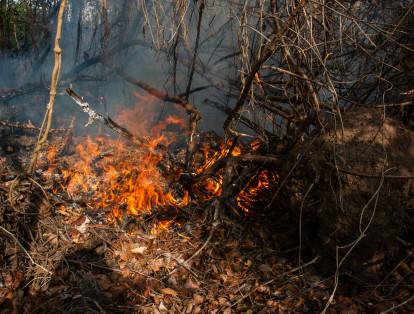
<point x="59" y="254"/>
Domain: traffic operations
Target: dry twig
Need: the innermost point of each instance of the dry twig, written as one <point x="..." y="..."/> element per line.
<point x="24" y="250"/>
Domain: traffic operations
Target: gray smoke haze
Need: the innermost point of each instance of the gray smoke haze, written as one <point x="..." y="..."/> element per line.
<point x="354" y="60"/>
<point x="134" y="45"/>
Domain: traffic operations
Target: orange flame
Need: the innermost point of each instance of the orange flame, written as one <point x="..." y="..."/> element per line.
<point x="125" y="180"/>
<point x="121" y="179"/>
<point x="161" y="226"/>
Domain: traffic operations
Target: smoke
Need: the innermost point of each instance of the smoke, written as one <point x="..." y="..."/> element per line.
<point x="354" y="53"/>
<point x="137" y="37"/>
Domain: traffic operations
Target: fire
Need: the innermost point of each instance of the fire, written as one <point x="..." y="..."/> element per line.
<point x="51" y="154"/>
<point x="121" y="179"/>
<point x="161" y="226"/>
<point x="118" y="178"/>
<point x="255" y="145"/>
<point x="137" y="187"/>
<point x="211" y="157"/>
<point x="211" y="187"/>
<point x="251" y="194"/>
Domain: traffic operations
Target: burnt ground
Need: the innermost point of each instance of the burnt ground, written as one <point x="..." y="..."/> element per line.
<point x="61" y="255"/>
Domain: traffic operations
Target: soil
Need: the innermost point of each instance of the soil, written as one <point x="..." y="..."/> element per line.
<point x="361" y="201"/>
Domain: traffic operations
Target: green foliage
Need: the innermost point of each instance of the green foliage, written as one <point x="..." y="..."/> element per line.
<point x="24" y="24"/>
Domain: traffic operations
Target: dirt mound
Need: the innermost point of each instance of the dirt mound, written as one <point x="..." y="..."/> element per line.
<point x="363" y="169"/>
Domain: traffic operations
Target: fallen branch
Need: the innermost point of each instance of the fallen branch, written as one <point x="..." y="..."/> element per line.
<point x="237" y="160"/>
<point x="95" y="116"/>
<point x="26" y="126"/>
<point x="395" y="307"/>
<point x="369" y="175"/>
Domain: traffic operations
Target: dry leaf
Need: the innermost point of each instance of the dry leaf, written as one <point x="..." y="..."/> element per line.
<point x="100" y="250"/>
<point x="155" y="310"/>
<point x="190" y="284"/>
<point x="265" y="268"/>
<point x="83" y="226"/>
<point x="169" y="291"/>
<point x="227" y="311"/>
<point x="263" y="289"/>
<point x="299" y="303"/>
<point x="198" y="299"/>
<point x="222" y="301"/>
<point x="189" y="308"/>
<point x="104" y="282"/>
<point x="157" y="264"/>
<point x="162" y="307"/>
<point x="248" y="263"/>
<point x="138" y="249"/>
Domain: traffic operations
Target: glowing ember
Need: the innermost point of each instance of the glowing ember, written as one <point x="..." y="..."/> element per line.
<point x="252" y="192"/>
<point x="255" y="145"/>
<point x="211" y="156"/>
<point x="211" y="187"/>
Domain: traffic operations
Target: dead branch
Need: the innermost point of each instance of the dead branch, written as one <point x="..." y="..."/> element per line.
<point x="351" y="246"/>
<point x="67" y="138"/>
<point x="395" y="307"/>
<point x="237" y="161"/>
<point x="23" y="248"/>
<point x="95" y="116"/>
<point x="369" y="175"/>
<point x="193" y="63"/>
<point x="269" y="51"/>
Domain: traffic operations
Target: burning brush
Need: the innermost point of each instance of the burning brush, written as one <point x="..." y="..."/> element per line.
<point x="139" y="175"/>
